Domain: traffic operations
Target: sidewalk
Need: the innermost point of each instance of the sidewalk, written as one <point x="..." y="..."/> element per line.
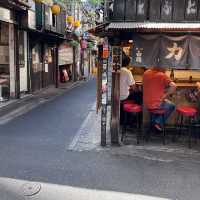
<point x="88" y="138"/>
<point x="14" y="108"/>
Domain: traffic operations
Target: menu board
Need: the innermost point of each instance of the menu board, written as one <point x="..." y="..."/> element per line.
<point x="116" y="57"/>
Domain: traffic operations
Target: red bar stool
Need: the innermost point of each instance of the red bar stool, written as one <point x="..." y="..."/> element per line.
<point x="186" y="112"/>
<point x="159" y="112"/>
<point x="130" y="107"/>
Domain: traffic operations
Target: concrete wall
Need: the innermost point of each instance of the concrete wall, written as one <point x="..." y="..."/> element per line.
<point x="12" y="61"/>
<point x="23" y="71"/>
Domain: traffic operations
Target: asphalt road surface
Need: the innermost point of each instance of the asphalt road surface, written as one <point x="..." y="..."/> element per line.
<point x="34" y="148"/>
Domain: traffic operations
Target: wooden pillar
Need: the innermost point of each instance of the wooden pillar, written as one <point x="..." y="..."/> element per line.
<point x="115" y="95"/>
<point x="74" y="78"/>
<point x="17" y="67"/>
<point x="115" y="108"/>
<point x="56" y="66"/>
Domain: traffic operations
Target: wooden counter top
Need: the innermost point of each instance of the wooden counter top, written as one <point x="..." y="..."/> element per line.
<point x="179" y="85"/>
<point x="138" y="80"/>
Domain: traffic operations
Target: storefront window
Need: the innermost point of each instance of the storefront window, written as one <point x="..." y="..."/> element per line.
<point x="21" y="49"/>
<point x="4" y="61"/>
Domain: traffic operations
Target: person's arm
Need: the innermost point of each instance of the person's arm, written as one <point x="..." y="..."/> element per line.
<point x="131" y="81"/>
<point x="198" y="86"/>
<point x="171" y="90"/>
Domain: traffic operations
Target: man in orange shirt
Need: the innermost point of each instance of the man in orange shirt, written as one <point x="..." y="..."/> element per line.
<point x="157" y="87"/>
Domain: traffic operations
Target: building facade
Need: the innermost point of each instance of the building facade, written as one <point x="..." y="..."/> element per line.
<point x="13" y="43"/>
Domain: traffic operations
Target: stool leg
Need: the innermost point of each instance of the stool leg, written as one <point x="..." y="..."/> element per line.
<point x="163" y="119"/>
<point x="174" y="137"/>
<point x="180" y="126"/>
<point x="138" y="128"/>
<point x="148" y="131"/>
<point x="124" y="127"/>
<point x="190" y="132"/>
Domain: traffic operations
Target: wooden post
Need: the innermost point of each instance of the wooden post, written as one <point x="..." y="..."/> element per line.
<point x="56" y="65"/>
<point x="74" y="78"/>
<point x="17" y="69"/>
<point x="115" y="94"/>
<point x="115" y="108"/>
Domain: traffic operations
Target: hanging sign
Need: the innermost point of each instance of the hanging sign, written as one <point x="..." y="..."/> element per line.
<point x="165" y="51"/>
<point x="174" y="52"/>
<point x="145" y="50"/>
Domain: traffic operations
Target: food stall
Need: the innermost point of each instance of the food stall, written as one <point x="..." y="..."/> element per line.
<point x="157" y="33"/>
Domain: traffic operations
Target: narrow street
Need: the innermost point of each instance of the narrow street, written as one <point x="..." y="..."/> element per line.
<point x="35" y="147"/>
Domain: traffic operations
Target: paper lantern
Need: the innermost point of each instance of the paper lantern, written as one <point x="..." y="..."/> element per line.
<point x="83" y="44"/>
<point x="55" y="9"/>
<point x="70" y="19"/>
<point x="77" y="23"/>
<point x="105" y="52"/>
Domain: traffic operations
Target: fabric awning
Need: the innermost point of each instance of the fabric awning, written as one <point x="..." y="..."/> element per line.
<point x="154" y="26"/>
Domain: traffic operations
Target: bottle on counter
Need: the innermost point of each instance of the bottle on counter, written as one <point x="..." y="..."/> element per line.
<point x="172" y="74"/>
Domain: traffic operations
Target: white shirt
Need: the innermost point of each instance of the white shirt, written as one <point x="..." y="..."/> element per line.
<point x="126" y="80"/>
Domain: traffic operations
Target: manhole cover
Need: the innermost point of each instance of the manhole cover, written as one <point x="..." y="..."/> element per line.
<point x="31" y="189"/>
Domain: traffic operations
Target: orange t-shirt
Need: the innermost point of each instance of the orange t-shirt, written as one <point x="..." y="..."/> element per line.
<point x="154" y="86"/>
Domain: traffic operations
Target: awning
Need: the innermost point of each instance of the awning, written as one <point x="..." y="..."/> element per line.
<point x="154" y="26"/>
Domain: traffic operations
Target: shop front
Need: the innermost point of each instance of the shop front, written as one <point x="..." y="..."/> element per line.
<point x="151" y="37"/>
<point x="46" y="31"/>
<point x="66" y="63"/>
<point x="13" y="51"/>
<point x="4" y="62"/>
<point x="174" y="50"/>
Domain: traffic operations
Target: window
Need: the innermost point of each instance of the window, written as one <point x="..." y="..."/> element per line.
<point x="54" y="20"/>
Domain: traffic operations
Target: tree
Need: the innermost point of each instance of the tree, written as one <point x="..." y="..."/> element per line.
<point x="95" y="2"/>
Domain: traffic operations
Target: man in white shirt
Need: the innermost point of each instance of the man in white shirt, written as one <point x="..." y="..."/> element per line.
<point x="126" y="79"/>
<point x="126" y="82"/>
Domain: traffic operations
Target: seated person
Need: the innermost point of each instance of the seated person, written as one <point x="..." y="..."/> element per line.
<point x="126" y="82"/>
<point x="157" y="87"/>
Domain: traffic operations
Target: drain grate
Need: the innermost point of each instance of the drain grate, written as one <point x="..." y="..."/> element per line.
<point x="30" y="189"/>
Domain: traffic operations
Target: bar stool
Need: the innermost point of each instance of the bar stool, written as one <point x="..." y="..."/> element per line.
<point x="186" y="112"/>
<point x="130" y="107"/>
<point x="158" y="112"/>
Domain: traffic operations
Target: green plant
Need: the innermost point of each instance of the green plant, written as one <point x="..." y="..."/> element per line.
<point x="73" y="43"/>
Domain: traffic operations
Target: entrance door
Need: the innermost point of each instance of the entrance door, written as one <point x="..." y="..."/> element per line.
<point x="36" y="75"/>
<point x="23" y="61"/>
<point x="49" y="69"/>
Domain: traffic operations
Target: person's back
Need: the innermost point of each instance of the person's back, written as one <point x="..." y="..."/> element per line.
<point x="154" y="85"/>
<point x="157" y="87"/>
<point x="126" y="80"/>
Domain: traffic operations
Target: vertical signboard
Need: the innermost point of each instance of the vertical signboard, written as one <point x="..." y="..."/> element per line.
<point x="179" y="10"/>
<point x="130" y="11"/>
<point x="154" y="12"/>
<point x="166" y="10"/>
<point x="115" y="96"/>
<point x="119" y="10"/>
<point x="142" y="6"/>
<point x="191" y="10"/>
